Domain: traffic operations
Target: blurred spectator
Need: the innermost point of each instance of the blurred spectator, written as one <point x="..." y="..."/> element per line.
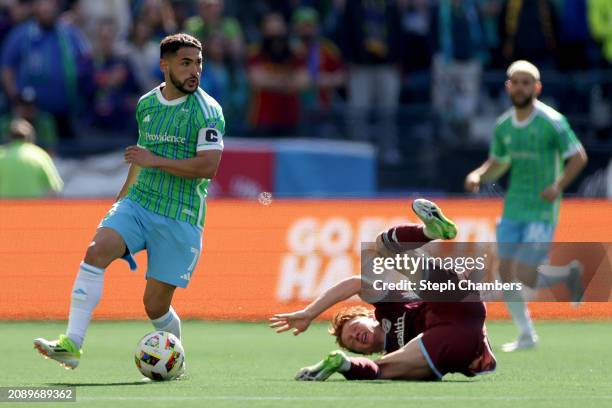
<point x="143" y="54"/>
<point x="574" y="38"/>
<point x="416" y="29"/>
<point x="116" y="88"/>
<point x="370" y="35"/>
<point x="600" y="21"/>
<point x="322" y="57"/>
<point x="85" y="14"/>
<point x="26" y="170"/>
<point x="529" y="31"/>
<point x="159" y="15"/>
<point x="43" y="122"/>
<point x="13" y="13"/>
<point x="51" y="57"/>
<point x="489" y="12"/>
<point x="277" y="76"/>
<point x="181" y="11"/>
<point x="227" y="83"/>
<point x="459" y="43"/>
<point x="210" y="20"/>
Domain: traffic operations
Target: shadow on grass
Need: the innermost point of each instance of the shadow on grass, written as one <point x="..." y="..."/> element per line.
<point x="382" y="382"/>
<point x="100" y="384"/>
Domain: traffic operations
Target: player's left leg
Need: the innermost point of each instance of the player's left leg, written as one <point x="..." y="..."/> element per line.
<point x="157" y="301"/>
<point x="173" y="250"/>
<point x="411" y="362"/>
<point x="407" y="363"/>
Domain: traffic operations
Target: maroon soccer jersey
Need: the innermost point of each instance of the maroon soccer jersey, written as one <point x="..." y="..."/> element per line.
<point x="400" y="321"/>
<point x="453" y="335"/>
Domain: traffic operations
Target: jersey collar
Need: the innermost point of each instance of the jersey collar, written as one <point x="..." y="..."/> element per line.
<point x="523" y="123"/>
<point x="164" y="101"/>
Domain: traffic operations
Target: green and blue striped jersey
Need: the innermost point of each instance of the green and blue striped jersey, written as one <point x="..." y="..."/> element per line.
<point x="176" y="129"/>
<point x="536" y="149"/>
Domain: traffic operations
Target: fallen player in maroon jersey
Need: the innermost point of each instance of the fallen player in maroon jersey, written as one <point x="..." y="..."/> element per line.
<point x="419" y="340"/>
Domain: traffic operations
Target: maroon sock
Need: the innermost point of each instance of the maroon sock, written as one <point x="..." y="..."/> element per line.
<point x="362" y="369"/>
<point x="405" y="237"/>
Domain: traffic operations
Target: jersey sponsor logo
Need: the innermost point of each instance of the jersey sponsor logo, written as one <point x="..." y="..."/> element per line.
<point x="165" y="138"/>
<point x="399" y="330"/>
<point x="386" y="325"/>
<point x="524" y="155"/>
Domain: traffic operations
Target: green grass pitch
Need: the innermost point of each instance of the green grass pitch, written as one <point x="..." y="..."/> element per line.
<point x="247" y="365"/>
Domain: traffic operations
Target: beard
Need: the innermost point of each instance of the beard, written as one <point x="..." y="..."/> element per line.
<point x="182" y="86"/>
<point x="523" y="102"/>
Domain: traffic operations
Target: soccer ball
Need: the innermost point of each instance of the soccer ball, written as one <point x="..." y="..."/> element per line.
<point x="160" y="356"/>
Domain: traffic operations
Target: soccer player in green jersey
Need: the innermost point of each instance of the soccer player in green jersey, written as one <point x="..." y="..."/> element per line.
<point x="533" y="141"/>
<point x="161" y="207"/>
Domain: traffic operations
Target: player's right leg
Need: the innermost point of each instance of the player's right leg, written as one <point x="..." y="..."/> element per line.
<point x="510" y="237"/>
<point x="117" y="232"/>
<point x="106" y="246"/>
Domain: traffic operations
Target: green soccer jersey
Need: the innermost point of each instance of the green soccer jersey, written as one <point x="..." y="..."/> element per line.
<point x="176" y="129"/>
<point x="535" y="149"/>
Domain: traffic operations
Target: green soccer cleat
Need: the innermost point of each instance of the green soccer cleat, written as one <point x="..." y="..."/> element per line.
<point x="63" y="350"/>
<point x="437" y="226"/>
<point x="324" y="368"/>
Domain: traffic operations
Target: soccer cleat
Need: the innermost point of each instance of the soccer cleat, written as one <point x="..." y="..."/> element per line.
<point x="324" y="368"/>
<point x="574" y="282"/>
<point x="63" y="350"/>
<point x="437" y="226"/>
<point x="524" y="342"/>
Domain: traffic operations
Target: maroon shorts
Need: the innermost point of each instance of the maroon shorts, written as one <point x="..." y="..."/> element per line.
<point x="454" y="338"/>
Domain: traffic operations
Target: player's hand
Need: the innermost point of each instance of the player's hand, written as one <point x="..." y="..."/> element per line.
<point x="298" y="321"/>
<point x="551" y="193"/>
<point x="141" y="157"/>
<point x="472" y="182"/>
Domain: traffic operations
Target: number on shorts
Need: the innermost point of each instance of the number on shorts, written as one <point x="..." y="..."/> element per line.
<point x="195" y="253"/>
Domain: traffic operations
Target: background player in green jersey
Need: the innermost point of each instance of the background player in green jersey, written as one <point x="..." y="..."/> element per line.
<point x="161" y="207"/>
<point x="533" y="141"/>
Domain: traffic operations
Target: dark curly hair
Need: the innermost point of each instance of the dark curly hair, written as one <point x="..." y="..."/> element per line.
<point x="172" y="43"/>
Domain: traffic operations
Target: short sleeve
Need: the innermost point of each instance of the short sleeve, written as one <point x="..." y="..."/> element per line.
<point x="499" y="148"/>
<point x="566" y="140"/>
<point x="211" y="136"/>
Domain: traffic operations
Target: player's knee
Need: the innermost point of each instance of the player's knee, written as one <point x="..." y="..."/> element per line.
<point x="101" y="252"/>
<point x="154" y="308"/>
<point x="96" y="255"/>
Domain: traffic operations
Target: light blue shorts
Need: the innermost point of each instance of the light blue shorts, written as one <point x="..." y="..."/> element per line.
<point x="525" y="242"/>
<point x="173" y="247"/>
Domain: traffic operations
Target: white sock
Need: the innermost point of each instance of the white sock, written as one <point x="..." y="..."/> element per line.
<point x="170" y="322"/>
<point x="549" y="275"/>
<point x="86" y="294"/>
<point x="520" y="313"/>
<point x="346" y="365"/>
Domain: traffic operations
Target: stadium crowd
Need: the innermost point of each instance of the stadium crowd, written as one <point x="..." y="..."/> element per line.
<point x="75" y="68"/>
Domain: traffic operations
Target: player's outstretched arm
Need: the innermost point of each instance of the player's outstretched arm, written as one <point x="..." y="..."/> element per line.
<point x="300" y="320"/>
<point x="204" y="165"/>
